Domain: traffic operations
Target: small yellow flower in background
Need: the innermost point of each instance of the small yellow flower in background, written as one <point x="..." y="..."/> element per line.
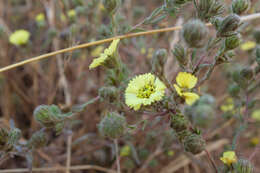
<point x="40" y="17"/>
<point x="125" y="151"/>
<point x="104" y="56"/>
<point x="170" y="153"/>
<point x="143" y="51"/>
<point x="254" y="141"/>
<point x="19" y="37"/>
<point x="101" y="7"/>
<point x="256" y="115"/>
<point x="72" y="13"/>
<point x="63" y="18"/>
<point x="144" y="90"/>
<point x="150" y="53"/>
<point x="228" y="106"/>
<point x="97" y="51"/>
<point x="186" y="81"/>
<point x="229" y="157"/>
<point x="248" y="45"/>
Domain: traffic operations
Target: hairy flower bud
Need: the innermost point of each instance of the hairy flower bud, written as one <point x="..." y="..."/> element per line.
<point x="14" y="135"/>
<point x="228" y="25"/>
<point x="113" y="125"/>
<point x="234" y="90"/>
<point x="158" y="61"/>
<point x="194" y="143"/>
<point x="179" y="122"/>
<point x="3" y="138"/>
<point x="247" y="74"/>
<point x="232" y="42"/>
<point x="240" y="6"/>
<point x="180" y="54"/>
<point x="209" y="8"/>
<point x="244" y="166"/>
<point x="48" y="116"/>
<point x="195" y="33"/>
<point x="108" y="94"/>
<point x="181" y="135"/>
<point x="111" y="5"/>
<point x="38" y="140"/>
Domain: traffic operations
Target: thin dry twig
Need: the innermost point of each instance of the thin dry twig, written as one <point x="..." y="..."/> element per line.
<point x="85" y="45"/>
<point x="68" y="153"/>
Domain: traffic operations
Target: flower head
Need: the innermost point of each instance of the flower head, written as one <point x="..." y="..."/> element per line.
<point x="144" y="90"/>
<point x="256" y="115"/>
<point x="40" y="17"/>
<point x="186" y="81"/>
<point x="19" y="37"/>
<point x="229" y="157"/>
<point x="104" y="56"/>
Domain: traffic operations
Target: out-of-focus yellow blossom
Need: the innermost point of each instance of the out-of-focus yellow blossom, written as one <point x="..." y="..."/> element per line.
<point x="144" y="90"/>
<point x="248" y="45"/>
<point x="229" y="157"/>
<point x="101" y="7"/>
<point x="186" y="81"/>
<point x="228" y="106"/>
<point x="143" y="51"/>
<point x="97" y="51"/>
<point x="254" y="141"/>
<point x="150" y="53"/>
<point x="170" y="153"/>
<point x="256" y="115"/>
<point x="63" y="17"/>
<point x="125" y="151"/>
<point x="19" y="37"/>
<point x="40" y="18"/>
<point x="72" y="13"/>
<point x="104" y="56"/>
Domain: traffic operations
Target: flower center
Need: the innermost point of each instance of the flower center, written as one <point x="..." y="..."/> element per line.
<point x="146" y="91"/>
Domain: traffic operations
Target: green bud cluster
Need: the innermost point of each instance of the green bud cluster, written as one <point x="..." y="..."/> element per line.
<point x="195" y="33"/>
<point x="192" y="142"/>
<point x="240" y="6"/>
<point x="8" y="139"/>
<point x="232" y="42"/>
<point x="113" y="125"/>
<point x="111" y="5"/>
<point x="158" y="61"/>
<point x="243" y="77"/>
<point x="228" y="26"/>
<point x="174" y="5"/>
<point x="38" y="140"/>
<point x="180" y="54"/>
<point x="208" y="9"/>
<point x="244" y="166"/>
<point x="108" y="94"/>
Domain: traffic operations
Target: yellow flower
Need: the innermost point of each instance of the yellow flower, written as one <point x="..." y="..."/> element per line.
<point x="228" y="106"/>
<point x="19" y="37"/>
<point x="248" y="45"/>
<point x="186" y="81"/>
<point x="256" y="115"/>
<point x="72" y="13"/>
<point x="40" y="18"/>
<point x="144" y="90"/>
<point x="104" y="56"/>
<point x="125" y="151"/>
<point x="229" y="157"/>
<point x="254" y="141"/>
<point x="97" y="51"/>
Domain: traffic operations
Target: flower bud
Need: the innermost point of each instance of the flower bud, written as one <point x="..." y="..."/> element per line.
<point x="240" y="6"/>
<point x="180" y="54"/>
<point x="108" y="94"/>
<point x="232" y="42"/>
<point x="179" y="122"/>
<point x="195" y="33"/>
<point x="247" y="74"/>
<point x="3" y="138"/>
<point x="209" y="8"/>
<point x="38" y="140"/>
<point x="181" y="135"/>
<point x="111" y="5"/>
<point x="228" y="25"/>
<point x="158" y="61"/>
<point x="180" y="2"/>
<point x="258" y="55"/>
<point x="14" y="135"/>
<point x="234" y="90"/>
<point x="244" y="166"/>
<point x="113" y="125"/>
<point x="256" y="35"/>
<point x="194" y="143"/>
<point x="48" y="116"/>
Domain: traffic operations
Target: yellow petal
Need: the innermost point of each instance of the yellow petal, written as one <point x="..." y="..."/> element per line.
<point x="248" y="45"/>
<point x="190" y="97"/>
<point x="178" y="89"/>
<point x="186" y="80"/>
<point x="229" y="157"/>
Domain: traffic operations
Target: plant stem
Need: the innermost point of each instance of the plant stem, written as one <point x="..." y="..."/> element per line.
<point x="211" y="160"/>
<point x="117" y="156"/>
